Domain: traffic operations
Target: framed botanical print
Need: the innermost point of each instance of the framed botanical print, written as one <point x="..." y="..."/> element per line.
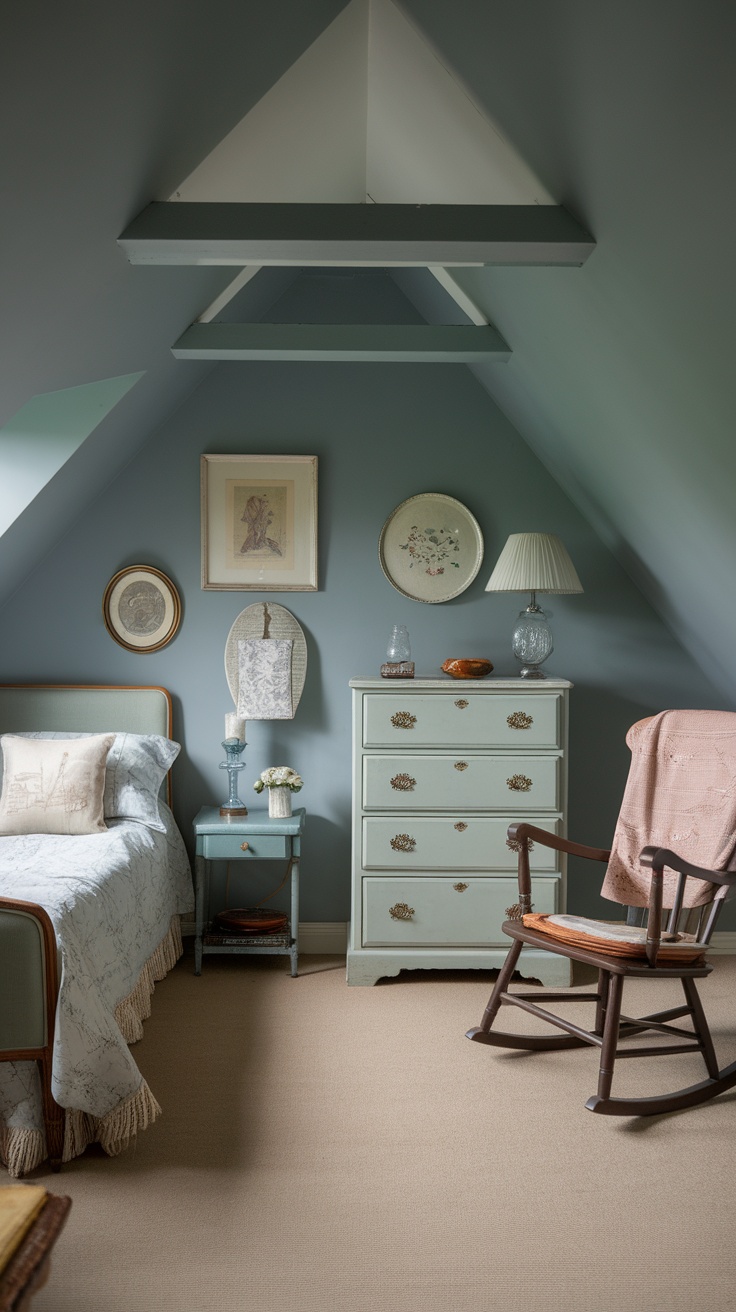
<point x="259" y="523"/>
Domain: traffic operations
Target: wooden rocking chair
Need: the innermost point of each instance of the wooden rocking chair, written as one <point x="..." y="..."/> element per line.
<point x="675" y="950"/>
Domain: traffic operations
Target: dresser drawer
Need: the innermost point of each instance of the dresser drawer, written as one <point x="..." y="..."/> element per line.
<point x="438" y="911"/>
<point x="462" y="842"/>
<point x="463" y="783"/>
<point x="461" y="719"/>
<point x="228" y="847"/>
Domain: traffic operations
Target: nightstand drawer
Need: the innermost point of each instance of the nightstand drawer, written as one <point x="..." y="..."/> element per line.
<point x="461" y="718"/>
<point x="458" y="842"/>
<point x="445" y="783"/>
<point x="229" y="847"/>
<point x="426" y="911"/>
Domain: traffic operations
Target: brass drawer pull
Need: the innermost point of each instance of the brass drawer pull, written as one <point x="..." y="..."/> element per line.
<point x="403" y="843"/>
<point x="461" y="765"/>
<point x="519" y="720"/>
<point x="244" y="847"/>
<point x="515" y="912"/>
<point x="515" y="846"/>
<point x="461" y="703"/>
<point x="461" y="826"/>
<point x="401" y="911"/>
<point x="403" y="720"/>
<point x="460" y="888"/>
<point x="519" y="783"/>
<point x="403" y="783"/>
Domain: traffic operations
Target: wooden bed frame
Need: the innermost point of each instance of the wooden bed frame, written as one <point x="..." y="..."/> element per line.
<point x="28" y="955"/>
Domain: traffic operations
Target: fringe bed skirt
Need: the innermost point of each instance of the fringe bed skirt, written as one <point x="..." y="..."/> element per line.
<point x="24" y="1150"/>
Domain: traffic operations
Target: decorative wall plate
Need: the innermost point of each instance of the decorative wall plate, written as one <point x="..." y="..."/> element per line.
<point x="141" y="608"/>
<point x="431" y="548"/>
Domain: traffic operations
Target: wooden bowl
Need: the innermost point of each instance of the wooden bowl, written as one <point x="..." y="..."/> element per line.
<point x="470" y="668"/>
<point x="250" y="920"/>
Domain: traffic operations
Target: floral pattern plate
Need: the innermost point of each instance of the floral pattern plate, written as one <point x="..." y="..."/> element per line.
<point x="431" y="548"/>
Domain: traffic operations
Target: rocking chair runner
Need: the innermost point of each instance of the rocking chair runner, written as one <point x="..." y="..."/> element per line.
<point x="670" y="768"/>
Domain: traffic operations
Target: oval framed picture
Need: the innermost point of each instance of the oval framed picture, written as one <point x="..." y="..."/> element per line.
<point x="141" y="608"/>
<point x="431" y="547"/>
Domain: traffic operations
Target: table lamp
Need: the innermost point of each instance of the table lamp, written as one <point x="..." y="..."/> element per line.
<point x="533" y="562"/>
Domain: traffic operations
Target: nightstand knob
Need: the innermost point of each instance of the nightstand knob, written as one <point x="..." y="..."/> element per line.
<point x="244" y="847"/>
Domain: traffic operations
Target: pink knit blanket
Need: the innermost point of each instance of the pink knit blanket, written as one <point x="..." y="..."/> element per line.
<point x="681" y="794"/>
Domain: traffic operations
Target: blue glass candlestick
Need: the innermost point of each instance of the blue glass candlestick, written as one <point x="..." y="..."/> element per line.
<point x="234" y="747"/>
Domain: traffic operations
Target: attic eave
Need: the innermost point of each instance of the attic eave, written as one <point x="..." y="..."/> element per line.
<point x="238" y="233"/>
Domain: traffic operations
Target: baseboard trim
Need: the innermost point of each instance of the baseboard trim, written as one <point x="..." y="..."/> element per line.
<point x="724" y="943"/>
<point x="323" y="937"/>
<point x="316" y="937"/>
<point x="328" y="937"/>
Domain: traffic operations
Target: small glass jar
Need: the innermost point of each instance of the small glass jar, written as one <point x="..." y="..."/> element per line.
<point x="399" y="647"/>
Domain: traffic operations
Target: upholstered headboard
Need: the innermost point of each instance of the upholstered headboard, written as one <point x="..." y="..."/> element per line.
<point x="84" y="709"/>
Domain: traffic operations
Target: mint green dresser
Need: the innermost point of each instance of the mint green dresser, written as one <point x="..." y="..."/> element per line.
<point x="441" y="768"/>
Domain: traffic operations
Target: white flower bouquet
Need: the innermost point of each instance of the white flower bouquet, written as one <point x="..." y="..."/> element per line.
<point x="279" y="776"/>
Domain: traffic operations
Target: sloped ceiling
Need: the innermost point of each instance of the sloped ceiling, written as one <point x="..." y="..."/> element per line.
<point x="621" y="374"/>
<point x="103" y="110"/>
<point x="621" y="378"/>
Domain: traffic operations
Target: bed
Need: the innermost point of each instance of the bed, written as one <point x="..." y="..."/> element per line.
<point x="89" y="920"/>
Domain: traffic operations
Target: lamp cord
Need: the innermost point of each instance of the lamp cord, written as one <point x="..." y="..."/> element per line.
<point x="268" y="895"/>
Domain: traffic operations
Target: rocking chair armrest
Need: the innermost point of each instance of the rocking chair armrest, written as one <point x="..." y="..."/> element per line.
<point x="656" y="858"/>
<point x="520" y="838"/>
<point x="520" y="834"/>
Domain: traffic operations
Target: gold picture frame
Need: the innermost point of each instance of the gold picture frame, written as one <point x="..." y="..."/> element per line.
<point x="259" y="523"/>
<point x="141" y="608"/>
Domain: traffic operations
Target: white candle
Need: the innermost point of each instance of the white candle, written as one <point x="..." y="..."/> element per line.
<point x="234" y="726"/>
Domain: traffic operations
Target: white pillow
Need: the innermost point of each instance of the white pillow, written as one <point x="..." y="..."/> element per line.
<point x="136" y="768"/>
<point x="137" y="765"/>
<point x="54" y="787"/>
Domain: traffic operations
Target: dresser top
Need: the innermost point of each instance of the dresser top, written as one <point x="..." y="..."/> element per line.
<point x="448" y="684"/>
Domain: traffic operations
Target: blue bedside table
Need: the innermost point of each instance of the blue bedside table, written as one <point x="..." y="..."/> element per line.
<point x="252" y="837"/>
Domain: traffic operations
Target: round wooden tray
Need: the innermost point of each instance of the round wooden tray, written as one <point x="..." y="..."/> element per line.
<point x="250" y="920"/>
<point x="266" y="619"/>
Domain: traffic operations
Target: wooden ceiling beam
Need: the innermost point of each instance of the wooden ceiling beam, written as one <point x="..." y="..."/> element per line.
<point x="397" y="343"/>
<point x="233" y="233"/>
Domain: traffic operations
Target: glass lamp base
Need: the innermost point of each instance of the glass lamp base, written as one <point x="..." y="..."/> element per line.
<point x="531" y="672"/>
<point x="532" y="642"/>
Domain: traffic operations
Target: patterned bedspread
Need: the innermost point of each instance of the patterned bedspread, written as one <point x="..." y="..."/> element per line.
<point x="111" y="897"/>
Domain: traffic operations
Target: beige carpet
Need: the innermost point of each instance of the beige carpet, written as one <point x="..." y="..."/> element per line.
<point x="326" y="1149"/>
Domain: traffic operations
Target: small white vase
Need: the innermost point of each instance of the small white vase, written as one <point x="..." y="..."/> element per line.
<point x="279" y="802"/>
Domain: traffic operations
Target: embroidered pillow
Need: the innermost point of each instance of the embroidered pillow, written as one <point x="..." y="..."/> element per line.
<point x="54" y="787"/>
<point x="137" y="765"/>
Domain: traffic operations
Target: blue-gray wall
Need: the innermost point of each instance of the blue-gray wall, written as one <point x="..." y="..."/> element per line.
<point x="382" y="433"/>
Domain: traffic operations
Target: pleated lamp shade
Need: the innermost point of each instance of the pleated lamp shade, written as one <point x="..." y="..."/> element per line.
<point x="534" y="562"/>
